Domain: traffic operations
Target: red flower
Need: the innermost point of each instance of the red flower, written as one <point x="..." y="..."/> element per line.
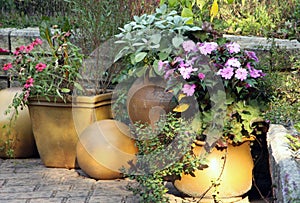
<point x="29" y="83"/>
<point x="40" y="67"/>
<point x="7" y="66"/>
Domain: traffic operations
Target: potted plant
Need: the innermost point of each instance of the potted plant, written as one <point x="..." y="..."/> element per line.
<point x="215" y="84"/>
<point x="54" y="92"/>
<point x="143" y="42"/>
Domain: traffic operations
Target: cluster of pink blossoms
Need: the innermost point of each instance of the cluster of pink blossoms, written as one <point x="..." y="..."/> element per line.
<point x="238" y="65"/>
<point x="20" y="53"/>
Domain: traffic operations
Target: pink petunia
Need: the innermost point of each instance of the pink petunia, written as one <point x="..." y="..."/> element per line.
<point x="40" y="67"/>
<point x="7" y="66"/>
<point x="189" y="46"/>
<point x="29" y="83"/>
<point x="241" y="74"/>
<point x="233" y="62"/>
<point x="201" y="76"/>
<point x="189" y="89"/>
<point x="233" y="47"/>
<point x="207" y="47"/>
<point x="226" y="73"/>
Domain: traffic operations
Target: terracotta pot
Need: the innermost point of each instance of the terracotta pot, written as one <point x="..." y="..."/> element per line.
<point x="104" y="147"/>
<point x="56" y="126"/>
<point x="20" y="133"/>
<point x="147" y="100"/>
<point x="235" y="172"/>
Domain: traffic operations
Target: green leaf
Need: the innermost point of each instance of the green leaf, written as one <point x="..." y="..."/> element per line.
<point x="177" y="41"/>
<point x="188" y="14"/>
<point x="78" y="86"/>
<point x="140" y="56"/>
<point x="65" y="90"/>
<point x="230" y="1"/>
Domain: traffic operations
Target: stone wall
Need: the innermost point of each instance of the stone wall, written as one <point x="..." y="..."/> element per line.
<point x="285" y="169"/>
<point x="10" y="38"/>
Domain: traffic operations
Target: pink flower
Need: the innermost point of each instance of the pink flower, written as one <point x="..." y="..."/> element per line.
<point x="19" y="49"/>
<point x="254" y="73"/>
<point x="29" y="48"/>
<point x="252" y="55"/>
<point x="201" y="76"/>
<point x="189" y="89"/>
<point x="40" y="67"/>
<point x="186" y="71"/>
<point x="168" y="73"/>
<point x="7" y="66"/>
<point x="29" y="83"/>
<point x="37" y="41"/>
<point x="26" y="95"/>
<point x="233" y="47"/>
<point x="3" y="50"/>
<point x="233" y="62"/>
<point x="207" y="47"/>
<point x="226" y="73"/>
<point x="189" y="46"/>
<point x="241" y="74"/>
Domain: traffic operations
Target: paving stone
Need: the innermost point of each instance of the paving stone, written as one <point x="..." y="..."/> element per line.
<point x="24" y="195"/>
<point x="48" y="200"/>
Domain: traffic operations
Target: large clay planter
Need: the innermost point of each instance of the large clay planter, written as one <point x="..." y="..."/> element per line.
<point x="235" y="176"/>
<point x="147" y="100"/>
<point x="57" y="125"/>
<point x="104" y="148"/>
<point x="20" y="133"/>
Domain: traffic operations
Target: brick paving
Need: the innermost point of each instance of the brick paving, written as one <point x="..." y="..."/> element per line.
<point x="29" y="181"/>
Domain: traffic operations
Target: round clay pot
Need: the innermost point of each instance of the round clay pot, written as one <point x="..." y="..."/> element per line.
<point x="235" y="176"/>
<point x="20" y="134"/>
<point x="147" y="100"/>
<point x="104" y="148"/>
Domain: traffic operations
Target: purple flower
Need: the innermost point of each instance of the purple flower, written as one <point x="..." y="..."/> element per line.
<point x="233" y="62"/>
<point x="254" y="73"/>
<point x="189" y="89"/>
<point x="162" y="65"/>
<point x="241" y="74"/>
<point x="201" y="76"/>
<point x="252" y="55"/>
<point x="189" y="46"/>
<point x="168" y="73"/>
<point x="233" y="47"/>
<point x="186" y="71"/>
<point x="226" y="73"/>
<point x="207" y="47"/>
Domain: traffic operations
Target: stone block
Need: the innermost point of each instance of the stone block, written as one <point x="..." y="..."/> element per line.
<point x="4" y="37"/>
<point x="24" y="37"/>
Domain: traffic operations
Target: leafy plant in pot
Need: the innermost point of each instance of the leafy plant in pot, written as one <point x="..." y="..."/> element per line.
<point x="143" y="42"/>
<point x="50" y="78"/>
<point x="216" y="85"/>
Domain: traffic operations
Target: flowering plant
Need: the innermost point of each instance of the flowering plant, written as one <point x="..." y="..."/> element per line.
<point x="223" y="80"/>
<point x="45" y="72"/>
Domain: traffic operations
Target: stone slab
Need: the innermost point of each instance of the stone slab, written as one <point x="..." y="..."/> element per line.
<point x="285" y="169"/>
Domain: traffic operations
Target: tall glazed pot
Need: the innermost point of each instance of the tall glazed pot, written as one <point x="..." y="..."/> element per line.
<point x="57" y="125"/>
<point x="229" y="174"/>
